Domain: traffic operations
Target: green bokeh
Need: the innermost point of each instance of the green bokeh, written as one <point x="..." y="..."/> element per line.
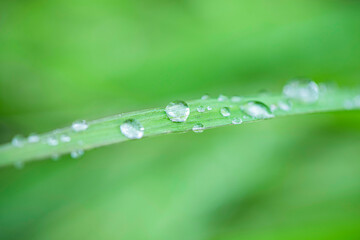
<point x="291" y="178"/>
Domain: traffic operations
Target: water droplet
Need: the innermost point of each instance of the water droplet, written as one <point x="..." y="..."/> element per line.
<point x="205" y="97"/>
<point x="18" y="141"/>
<point x="225" y="111"/>
<point x="348" y="104"/>
<point x="302" y="90"/>
<point x="209" y="108"/>
<point x="177" y="111"/>
<point x="132" y="129"/>
<point x="77" y="153"/>
<point x="273" y="107"/>
<point x="201" y="109"/>
<point x="257" y="110"/>
<point x="52" y="141"/>
<point x="222" y="98"/>
<point x="65" y="138"/>
<point x="236" y="99"/>
<point x="237" y="120"/>
<point x="79" y="126"/>
<point x="55" y="157"/>
<point x="198" y="128"/>
<point x="285" y="105"/>
<point x="357" y="101"/>
<point x="33" y="138"/>
<point x="19" y="165"/>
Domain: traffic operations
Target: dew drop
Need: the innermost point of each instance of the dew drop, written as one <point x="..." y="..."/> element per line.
<point x="257" y="110"/>
<point x="33" y="138"/>
<point x="18" y="141"/>
<point x="79" y="126"/>
<point x="201" y="109"/>
<point x="303" y="90"/>
<point x="198" y="128"/>
<point x="205" y="97"/>
<point x="285" y="105"/>
<point x="77" y="153"/>
<point x="177" y="111"/>
<point x="236" y="99"/>
<point x="225" y="111"/>
<point x="273" y="107"/>
<point x="237" y="120"/>
<point x="132" y="129"/>
<point x="52" y="141"/>
<point x="65" y="138"/>
<point x="222" y="98"/>
<point x="19" y="165"/>
<point x="209" y="108"/>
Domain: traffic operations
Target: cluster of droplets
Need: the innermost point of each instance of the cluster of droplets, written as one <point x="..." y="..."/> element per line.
<point x="302" y="90"/>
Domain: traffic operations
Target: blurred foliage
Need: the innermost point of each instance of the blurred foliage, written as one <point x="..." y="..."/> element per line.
<point x="293" y="178"/>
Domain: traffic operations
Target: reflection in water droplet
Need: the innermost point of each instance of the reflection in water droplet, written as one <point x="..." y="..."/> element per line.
<point x="225" y="111"/>
<point x="18" y="141"/>
<point x="79" y="126"/>
<point x="177" y="111"/>
<point x="222" y="98"/>
<point x="132" y="129"/>
<point x="33" y="138"/>
<point x="77" y="153"/>
<point x="198" y="128"/>
<point x="236" y="120"/>
<point x="201" y="109"/>
<point x="257" y="110"/>
<point x="302" y="90"/>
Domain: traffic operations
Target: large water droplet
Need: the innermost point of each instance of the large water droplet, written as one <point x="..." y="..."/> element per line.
<point x="198" y="128"/>
<point x="79" y="126"/>
<point x="237" y="120"/>
<point x="33" y="138"/>
<point x="77" y="153"/>
<point x="177" y="111"/>
<point x="257" y="110"/>
<point x="222" y="98"/>
<point x="302" y="90"/>
<point x="18" y="141"/>
<point x="225" y="111"/>
<point x="65" y="138"/>
<point x="132" y="129"/>
<point x="201" y="109"/>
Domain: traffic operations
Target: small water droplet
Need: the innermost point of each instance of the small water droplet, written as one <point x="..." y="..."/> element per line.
<point x="302" y="90"/>
<point x="273" y="107"/>
<point x="18" y="141"/>
<point x="77" y="153"/>
<point x="132" y="129"/>
<point x="52" y="141"/>
<point x="225" y="111"/>
<point x="236" y="120"/>
<point x="285" y="105"/>
<point x="177" y="111"/>
<point x="55" y="157"/>
<point x="236" y="99"/>
<point x="205" y="97"/>
<point x="257" y="110"/>
<point x="65" y="138"/>
<point x="19" y="165"/>
<point x="33" y="138"/>
<point x="209" y="108"/>
<point x="222" y="98"/>
<point x="79" y="126"/>
<point x="201" y="109"/>
<point x="198" y="128"/>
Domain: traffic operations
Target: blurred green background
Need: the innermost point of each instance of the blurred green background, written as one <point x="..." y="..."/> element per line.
<point x="291" y="178"/>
